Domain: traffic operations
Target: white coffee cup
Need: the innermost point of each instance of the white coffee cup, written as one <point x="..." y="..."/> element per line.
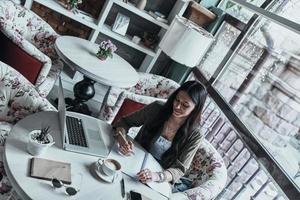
<point x="110" y="167"/>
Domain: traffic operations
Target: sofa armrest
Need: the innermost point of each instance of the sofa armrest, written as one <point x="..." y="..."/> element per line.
<point x="209" y="189"/>
<point x="18" y="96"/>
<point x="179" y="196"/>
<point x="31" y="50"/>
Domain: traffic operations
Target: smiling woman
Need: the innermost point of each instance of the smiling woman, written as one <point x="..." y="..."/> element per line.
<point x="170" y="132"/>
<point x="183" y="105"/>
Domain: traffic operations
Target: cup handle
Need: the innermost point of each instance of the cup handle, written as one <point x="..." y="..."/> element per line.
<point x="99" y="163"/>
<point x="100" y="160"/>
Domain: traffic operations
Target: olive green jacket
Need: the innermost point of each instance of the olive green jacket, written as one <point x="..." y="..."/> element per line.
<point x="146" y="116"/>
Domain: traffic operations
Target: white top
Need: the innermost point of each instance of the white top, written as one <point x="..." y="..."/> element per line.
<point x="81" y="54"/>
<point x="16" y="163"/>
<point x="160" y="146"/>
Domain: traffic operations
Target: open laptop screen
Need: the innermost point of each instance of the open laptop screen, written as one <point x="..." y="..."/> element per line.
<point x="90" y="130"/>
<point x="61" y="110"/>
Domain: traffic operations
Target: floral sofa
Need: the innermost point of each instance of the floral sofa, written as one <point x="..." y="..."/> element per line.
<point x="149" y="88"/>
<point x="29" y="32"/>
<point x="18" y="98"/>
<point x="208" y="172"/>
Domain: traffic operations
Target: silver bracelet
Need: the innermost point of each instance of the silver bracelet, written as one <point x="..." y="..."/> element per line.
<point x="162" y="177"/>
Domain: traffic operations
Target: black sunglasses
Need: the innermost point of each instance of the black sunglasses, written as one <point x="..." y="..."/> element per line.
<point x="71" y="191"/>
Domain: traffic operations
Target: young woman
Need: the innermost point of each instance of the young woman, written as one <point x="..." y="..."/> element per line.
<point x="170" y="132"/>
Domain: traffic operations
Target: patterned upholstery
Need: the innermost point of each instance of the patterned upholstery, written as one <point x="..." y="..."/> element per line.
<point x="149" y="88"/>
<point x="35" y="37"/>
<point x="18" y="98"/>
<point x="208" y="172"/>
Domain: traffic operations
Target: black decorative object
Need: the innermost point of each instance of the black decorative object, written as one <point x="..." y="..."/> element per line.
<point x="83" y="91"/>
<point x="150" y="39"/>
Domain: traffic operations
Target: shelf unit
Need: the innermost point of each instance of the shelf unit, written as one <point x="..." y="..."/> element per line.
<point x="53" y="5"/>
<point x="106" y="29"/>
<point x="98" y="25"/>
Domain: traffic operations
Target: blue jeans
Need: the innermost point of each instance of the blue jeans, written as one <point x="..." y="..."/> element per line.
<point x="182" y="185"/>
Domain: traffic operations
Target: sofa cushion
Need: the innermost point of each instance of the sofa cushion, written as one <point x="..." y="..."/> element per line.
<point x="128" y="106"/>
<point x="17" y="58"/>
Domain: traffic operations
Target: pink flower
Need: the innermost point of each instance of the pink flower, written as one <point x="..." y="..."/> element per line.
<point x="106" y="48"/>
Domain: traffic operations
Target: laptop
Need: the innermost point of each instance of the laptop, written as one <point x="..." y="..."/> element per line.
<point x="80" y="133"/>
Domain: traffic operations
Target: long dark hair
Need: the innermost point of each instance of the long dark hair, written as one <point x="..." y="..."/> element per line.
<point x="197" y="93"/>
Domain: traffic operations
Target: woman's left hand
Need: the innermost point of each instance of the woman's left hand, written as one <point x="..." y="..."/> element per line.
<point x="147" y="175"/>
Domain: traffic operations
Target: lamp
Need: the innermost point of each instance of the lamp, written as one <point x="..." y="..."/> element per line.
<point x="185" y="42"/>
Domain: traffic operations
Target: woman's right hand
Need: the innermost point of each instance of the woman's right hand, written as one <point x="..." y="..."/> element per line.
<point x="125" y="146"/>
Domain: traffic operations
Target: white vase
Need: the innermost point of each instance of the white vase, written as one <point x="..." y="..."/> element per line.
<point x="141" y="4"/>
<point x="35" y="148"/>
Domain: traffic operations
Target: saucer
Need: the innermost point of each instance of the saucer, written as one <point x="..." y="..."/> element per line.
<point x="106" y="178"/>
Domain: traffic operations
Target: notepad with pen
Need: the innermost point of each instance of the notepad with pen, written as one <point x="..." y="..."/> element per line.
<point x="141" y="159"/>
<point x="49" y="169"/>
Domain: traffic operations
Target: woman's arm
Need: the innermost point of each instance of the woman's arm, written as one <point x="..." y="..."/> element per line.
<point x="179" y="168"/>
<point x="146" y="175"/>
<point x="168" y="176"/>
<point x="137" y="118"/>
<point x="182" y="164"/>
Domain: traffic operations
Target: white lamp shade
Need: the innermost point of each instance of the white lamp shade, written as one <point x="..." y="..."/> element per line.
<point x="185" y="42"/>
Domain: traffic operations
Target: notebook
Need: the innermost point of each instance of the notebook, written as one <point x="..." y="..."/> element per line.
<point x="141" y="159"/>
<point x="49" y="169"/>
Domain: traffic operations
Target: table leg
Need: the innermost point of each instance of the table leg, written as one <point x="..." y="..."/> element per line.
<point x="83" y="91"/>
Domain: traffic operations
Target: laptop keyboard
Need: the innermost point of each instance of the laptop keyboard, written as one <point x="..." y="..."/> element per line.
<point x="75" y="131"/>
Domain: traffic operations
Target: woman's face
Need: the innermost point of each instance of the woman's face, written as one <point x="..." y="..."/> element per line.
<point x="183" y="105"/>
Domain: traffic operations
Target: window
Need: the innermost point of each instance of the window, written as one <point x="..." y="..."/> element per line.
<point x="238" y="11"/>
<point x="224" y="39"/>
<point x="259" y="83"/>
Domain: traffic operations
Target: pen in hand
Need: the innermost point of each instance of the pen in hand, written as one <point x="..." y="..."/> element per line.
<point x="126" y="141"/>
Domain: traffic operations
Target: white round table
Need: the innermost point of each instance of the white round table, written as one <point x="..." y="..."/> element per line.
<point x="17" y="165"/>
<point x="81" y="55"/>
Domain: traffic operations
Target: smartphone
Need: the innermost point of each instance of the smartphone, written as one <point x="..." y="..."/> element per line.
<point x="137" y="196"/>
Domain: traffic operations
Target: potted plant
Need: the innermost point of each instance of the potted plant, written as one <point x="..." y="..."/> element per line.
<point x="106" y="49"/>
<point x="70" y="4"/>
<point x="39" y="141"/>
<point x="150" y="39"/>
